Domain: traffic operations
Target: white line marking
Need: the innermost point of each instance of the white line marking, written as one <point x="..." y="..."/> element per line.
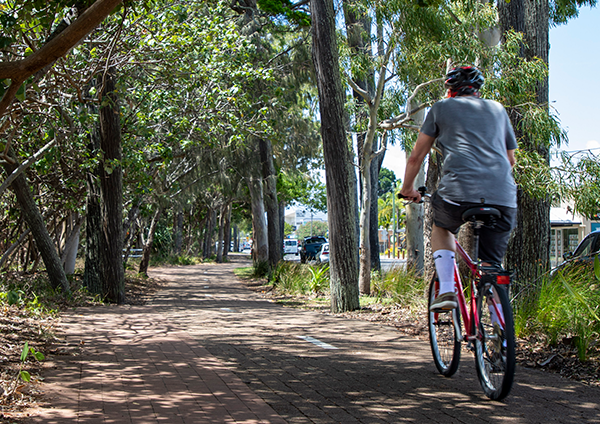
<point x="317" y="342"/>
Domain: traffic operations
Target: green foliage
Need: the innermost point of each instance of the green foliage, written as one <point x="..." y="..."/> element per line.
<point x="314" y="228"/>
<point x="566" y="307"/>
<point x="286" y="9"/>
<point x="563" y="10"/>
<point x="28" y="351"/>
<point x="403" y="286"/>
<point x="293" y="278"/>
<point x="287" y="229"/>
<point x="261" y="269"/>
<point x="319" y="281"/>
<point x="387" y="179"/>
<point x="579" y="181"/>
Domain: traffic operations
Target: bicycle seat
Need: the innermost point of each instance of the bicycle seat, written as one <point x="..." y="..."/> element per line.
<point x="481" y="213"/>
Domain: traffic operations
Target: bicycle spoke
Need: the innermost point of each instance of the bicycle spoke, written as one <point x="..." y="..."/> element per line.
<point x="494" y="346"/>
<point x="445" y="344"/>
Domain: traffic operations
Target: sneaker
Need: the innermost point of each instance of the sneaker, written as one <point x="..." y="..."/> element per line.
<point x="445" y="301"/>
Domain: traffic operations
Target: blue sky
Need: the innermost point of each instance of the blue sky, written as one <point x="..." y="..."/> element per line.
<point x="574" y="85"/>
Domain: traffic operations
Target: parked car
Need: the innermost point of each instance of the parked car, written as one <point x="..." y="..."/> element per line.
<point x="290" y="247"/>
<point x="583" y="255"/>
<point x="309" y="250"/>
<point x="324" y="253"/>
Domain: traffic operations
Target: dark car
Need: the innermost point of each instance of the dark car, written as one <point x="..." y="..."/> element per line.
<point x="311" y="246"/>
<point x="583" y="254"/>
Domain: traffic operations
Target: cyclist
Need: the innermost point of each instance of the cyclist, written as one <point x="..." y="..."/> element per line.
<point x="478" y="143"/>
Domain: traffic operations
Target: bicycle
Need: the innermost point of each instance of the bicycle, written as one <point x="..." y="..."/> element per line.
<point x="487" y="317"/>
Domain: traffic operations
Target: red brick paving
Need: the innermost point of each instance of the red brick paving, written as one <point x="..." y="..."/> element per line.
<point x="208" y="350"/>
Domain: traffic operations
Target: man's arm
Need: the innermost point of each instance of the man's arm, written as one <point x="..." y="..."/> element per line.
<point x="511" y="157"/>
<point x="413" y="165"/>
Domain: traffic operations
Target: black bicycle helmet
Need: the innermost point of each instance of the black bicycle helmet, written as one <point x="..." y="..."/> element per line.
<point x="464" y="80"/>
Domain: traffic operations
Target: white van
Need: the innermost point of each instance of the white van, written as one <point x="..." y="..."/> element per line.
<point x="290" y="247"/>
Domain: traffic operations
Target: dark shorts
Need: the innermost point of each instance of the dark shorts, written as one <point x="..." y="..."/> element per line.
<point x="493" y="241"/>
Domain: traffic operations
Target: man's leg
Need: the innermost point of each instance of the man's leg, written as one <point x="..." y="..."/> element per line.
<point x="442" y="244"/>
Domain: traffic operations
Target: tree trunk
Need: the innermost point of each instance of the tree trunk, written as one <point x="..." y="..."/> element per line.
<point x="339" y="170"/>
<point x="374" y="232"/>
<point x="415" y="219"/>
<point x="415" y="241"/>
<point x="528" y="251"/>
<point x="260" y="245"/>
<point x="92" y="274"/>
<point x="271" y="202"/>
<point x="434" y="173"/>
<point x="69" y="256"/>
<point x="178" y="231"/>
<point x="111" y="193"/>
<point x="220" y="238"/>
<point x="35" y="221"/>
<point x="364" y="274"/>
<point x="227" y="232"/>
<point x="145" y="262"/>
<point x="281" y="222"/>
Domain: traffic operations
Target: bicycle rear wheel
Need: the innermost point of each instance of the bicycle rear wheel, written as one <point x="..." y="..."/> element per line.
<point x="443" y="337"/>
<point x="495" y="344"/>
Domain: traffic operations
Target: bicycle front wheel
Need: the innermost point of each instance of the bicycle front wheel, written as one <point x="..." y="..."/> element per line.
<point x="495" y="342"/>
<point x="444" y="335"/>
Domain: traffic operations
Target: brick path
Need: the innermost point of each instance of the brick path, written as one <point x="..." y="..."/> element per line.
<point x="208" y="350"/>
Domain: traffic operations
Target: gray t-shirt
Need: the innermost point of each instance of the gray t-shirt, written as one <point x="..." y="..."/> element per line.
<point x="474" y="135"/>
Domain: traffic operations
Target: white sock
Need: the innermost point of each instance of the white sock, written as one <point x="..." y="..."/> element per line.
<point x="444" y="265"/>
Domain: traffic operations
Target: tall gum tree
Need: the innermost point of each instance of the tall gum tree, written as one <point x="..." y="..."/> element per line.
<point x="338" y="161"/>
<point x="529" y="248"/>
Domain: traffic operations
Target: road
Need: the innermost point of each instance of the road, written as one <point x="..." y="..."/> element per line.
<point x="386" y="263"/>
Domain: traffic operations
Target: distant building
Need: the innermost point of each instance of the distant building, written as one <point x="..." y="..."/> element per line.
<point x="298" y="215"/>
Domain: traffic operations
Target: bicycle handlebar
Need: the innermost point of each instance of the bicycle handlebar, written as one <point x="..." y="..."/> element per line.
<point x="422" y="190"/>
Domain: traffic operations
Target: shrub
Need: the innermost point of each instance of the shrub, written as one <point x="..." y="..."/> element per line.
<point x="567" y="306"/>
<point x="403" y="285"/>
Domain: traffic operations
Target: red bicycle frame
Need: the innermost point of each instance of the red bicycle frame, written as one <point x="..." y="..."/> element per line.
<point x="470" y="317"/>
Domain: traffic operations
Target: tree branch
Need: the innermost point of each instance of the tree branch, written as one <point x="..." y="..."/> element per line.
<point x="25" y="165"/>
<point x="18" y="71"/>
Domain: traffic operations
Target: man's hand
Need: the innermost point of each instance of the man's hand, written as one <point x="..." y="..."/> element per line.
<point x="411" y="194"/>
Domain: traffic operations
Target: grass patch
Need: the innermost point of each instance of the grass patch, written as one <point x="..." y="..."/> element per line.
<point x="565" y="308"/>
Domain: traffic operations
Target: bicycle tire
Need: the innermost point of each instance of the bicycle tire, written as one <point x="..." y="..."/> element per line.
<point x="494" y="346"/>
<point x="444" y="342"/>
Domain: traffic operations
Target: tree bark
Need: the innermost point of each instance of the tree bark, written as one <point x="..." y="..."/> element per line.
<point x="111" y="193"/>
<point x="415" y="219"/>
<point x="338" y="161"/>
<point x="528" y="252"/>
<point x="145" y="261"/>
<point x="374" y="224"/>
<point x="271" y="202"/>
<point x="260" y="245"/>
<point x="35" y="221"/>
<point x="92" y="274"/>
<point x="69" y="256"/>
<point x="178" y="231"/>
<point x="434" y="173"/>
<point x="227" y="232"/>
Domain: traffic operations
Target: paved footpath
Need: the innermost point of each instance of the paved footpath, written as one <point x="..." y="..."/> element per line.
<point x="208" y="350"/>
